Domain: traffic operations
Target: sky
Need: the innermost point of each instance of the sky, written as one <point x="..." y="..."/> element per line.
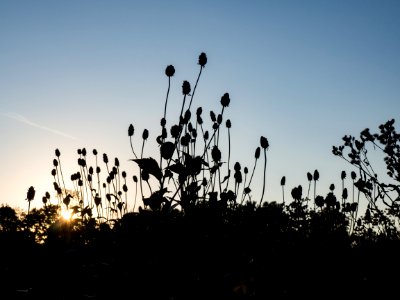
<point x="303" y="74"/>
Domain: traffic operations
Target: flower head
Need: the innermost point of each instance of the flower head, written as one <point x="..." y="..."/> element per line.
<point x="202" y="59"/>
<point x="170" y="71"/>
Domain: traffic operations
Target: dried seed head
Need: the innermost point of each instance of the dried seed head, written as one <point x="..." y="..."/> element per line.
<point x="30" y="194"/>
<point x="212" y="115"/>
<point x="186" y="88"/>
<point x="353" y="175"/>
<point x="135" y="178"/>
<point x="53" y="172"/>
<point x="257" y="153"/>
<point x="332" y="187"/>
<point x="170" y="71"/>
<point x="94" y="152"/>
<point x="145" y="134"/>
<point x="105" y="158"/>
<point x="199" y="111"/>
<point x="216" y="154"/>
<point x="84" y="151"/>
<point x="91" y="170"/>
<point x="125" y="188"/>
<point x="116" y="162"/>
<point x="219" y="119"/>
<point x="206" y="135"/>
<point x="264" y="142"/>
<point x="163" y="122"/>
<point x="343" y="175"/>
<point x="58" y="153"/>
<point x="167" y="150"/>
<point x="225" y="100"/>
<point x="98" y="170"/>
<point x="309" y="176"/>
<point x="228" y="123"/>
<point x="131" y="130"/>
<point x="55" y="162"/>
<point x="123" y="174"/>
<point x="316" y="175"/>
<point x="237" y="166"/>
<point x="202" y="59"/>
<point x="283" y="180"/>
<point x="246" y="170"/>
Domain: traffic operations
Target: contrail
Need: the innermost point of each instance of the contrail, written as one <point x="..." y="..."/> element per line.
<point x="22" y="119"/>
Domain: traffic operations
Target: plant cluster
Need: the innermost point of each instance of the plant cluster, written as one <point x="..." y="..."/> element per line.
<point x="189" y="228"/>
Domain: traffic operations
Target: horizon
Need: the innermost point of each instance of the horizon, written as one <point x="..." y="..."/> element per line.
<point x="76" y="75"/>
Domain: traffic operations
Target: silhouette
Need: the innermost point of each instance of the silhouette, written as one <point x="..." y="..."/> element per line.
<point x="199" y="235"/>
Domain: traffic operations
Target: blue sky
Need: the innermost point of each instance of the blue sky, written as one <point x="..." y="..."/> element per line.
<point x="75" y="74"/>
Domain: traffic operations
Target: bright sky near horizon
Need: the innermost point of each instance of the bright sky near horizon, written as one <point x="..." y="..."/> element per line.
<point x="303" y="74"/>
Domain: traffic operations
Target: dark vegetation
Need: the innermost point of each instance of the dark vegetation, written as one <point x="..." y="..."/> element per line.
<point x="190" y="228"/>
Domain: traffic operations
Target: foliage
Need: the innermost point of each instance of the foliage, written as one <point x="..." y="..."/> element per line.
<point x="198" y="233"/>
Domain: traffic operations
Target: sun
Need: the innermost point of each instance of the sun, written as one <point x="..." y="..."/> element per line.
<point x="66" y="215"/>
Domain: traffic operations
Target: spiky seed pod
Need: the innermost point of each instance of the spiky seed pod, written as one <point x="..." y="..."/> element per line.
<point x="219" y="119"/>
<point x="316" y="175"/>
<point x="206" y="135"/>
<point x="30" y="195"/>
<point x="186" y="88"/>
<point x="225" y="100"/>
<point x="170" y="71"/>
<point x="145" y="134"/>
<point x="257" y="153"/>
<point x="345" y="194"/>
<point x="212" y="116"/>
<point x="131" y="130"/>
<point x="216" y="154"/>
<point x="57" y="153"/>
<point x="237" y="166"/>
<point x="167" y="150"/>
<point x="202" y="59"/>
<point x="264" y="142"/>
<point x="319" y="201"/>
<point x="175" y="131"/>
<point x="309" y="176"/>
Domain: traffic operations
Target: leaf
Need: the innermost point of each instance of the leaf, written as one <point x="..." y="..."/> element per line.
<point x="150" y="166"/>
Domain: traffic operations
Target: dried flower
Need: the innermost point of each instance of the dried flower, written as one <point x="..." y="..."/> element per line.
<point x="131" y="130"/>
<point x="225" y="100"/>
<point x="264" y="142"/>
<point x="58" y="153"/>
<point x="186" y="88"/>
<point x="145" y="134"/>
<point x="202" y="59"/>
<point x="170" y="71"/>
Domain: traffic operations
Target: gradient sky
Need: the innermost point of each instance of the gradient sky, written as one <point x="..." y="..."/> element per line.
<point x="303" y="74"/>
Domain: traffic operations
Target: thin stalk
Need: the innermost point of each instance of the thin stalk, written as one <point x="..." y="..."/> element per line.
<point x="265" y="171"/>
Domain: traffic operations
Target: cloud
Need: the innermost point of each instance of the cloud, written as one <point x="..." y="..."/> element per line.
<point x="24" y="120"/>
